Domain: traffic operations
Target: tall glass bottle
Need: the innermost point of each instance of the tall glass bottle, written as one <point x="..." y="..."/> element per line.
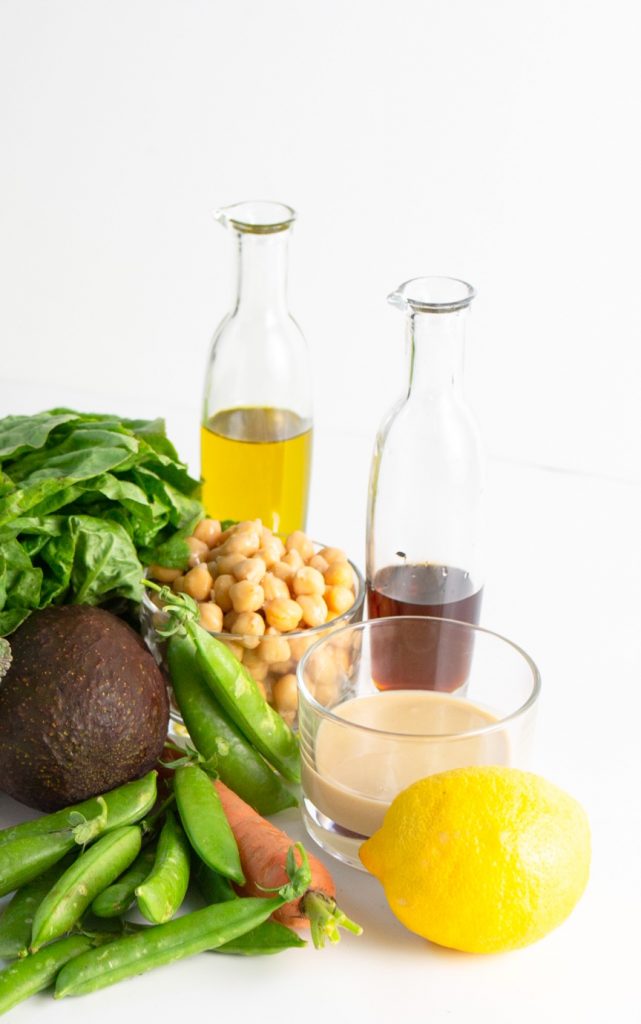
<point x="426" y="484"/>
<point x="256" y="436"/>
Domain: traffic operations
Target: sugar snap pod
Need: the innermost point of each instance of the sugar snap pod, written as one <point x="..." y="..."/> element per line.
<point x="75" y="890"/>
<point x="162" y="892"/>
<point x="17" y="917"/>
<point x="34" y="973"/>
<point x="204" y="821"/>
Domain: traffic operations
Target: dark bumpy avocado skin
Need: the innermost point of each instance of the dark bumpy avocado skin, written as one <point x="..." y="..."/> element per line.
<point x="83" y="707"/>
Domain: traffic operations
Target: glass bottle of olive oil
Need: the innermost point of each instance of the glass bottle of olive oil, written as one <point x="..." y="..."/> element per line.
<point x="256" y="437"/>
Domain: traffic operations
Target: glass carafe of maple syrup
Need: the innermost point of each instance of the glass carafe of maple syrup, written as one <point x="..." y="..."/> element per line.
<point x="256" y="435"/>
<point x="425" y="494"/>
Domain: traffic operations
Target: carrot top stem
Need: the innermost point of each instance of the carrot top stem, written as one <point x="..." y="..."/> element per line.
<point x="325" y="918"/>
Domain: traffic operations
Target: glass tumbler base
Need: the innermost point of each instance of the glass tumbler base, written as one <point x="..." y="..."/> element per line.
<point x="334" y="839"/>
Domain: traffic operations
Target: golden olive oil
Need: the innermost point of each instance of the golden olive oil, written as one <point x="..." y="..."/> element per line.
<point x="255" y="463"/>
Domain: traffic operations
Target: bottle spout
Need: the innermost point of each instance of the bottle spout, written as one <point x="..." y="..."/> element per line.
<point x="398" y="300"/>
<point x="256" y="217"/>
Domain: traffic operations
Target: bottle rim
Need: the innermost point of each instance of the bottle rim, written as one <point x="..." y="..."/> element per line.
<point x="432" y="295"/>
<point x="257" y="216"/>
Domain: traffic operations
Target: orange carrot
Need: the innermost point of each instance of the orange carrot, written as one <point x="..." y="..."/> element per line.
<point x="263" y="851"/>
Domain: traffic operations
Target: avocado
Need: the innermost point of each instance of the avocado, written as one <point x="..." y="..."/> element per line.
<point x="83" y="707"/>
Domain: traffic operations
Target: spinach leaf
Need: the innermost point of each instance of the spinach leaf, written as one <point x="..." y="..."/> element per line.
<point x="85" y="500"/>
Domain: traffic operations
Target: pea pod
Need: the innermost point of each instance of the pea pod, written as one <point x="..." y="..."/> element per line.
<point x="264" y="940"/>
<point x="124" y="806"/>
<point x="17" y="917"/>
<point x="121" y="895"/>
<point x="234" y="687"/>
<point x="164" y="889"/>
<point x="29" y="856"/>
<point x="268" y="937"/>
<point x="205" y="823"/>
<point x="34" y="973"/>
<point x="93" y="871"/>
<point x="238" y="764"/>
<point x="184" y="936"/>
<point x="213" y="887"/>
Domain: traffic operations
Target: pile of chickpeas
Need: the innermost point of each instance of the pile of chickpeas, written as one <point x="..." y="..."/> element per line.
<point x="258" y="589"/>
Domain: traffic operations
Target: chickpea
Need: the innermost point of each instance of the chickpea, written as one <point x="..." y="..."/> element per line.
<point x="262" y="688"/>
<point x="339" y="574"/>
<point x="274" y="649"/>
<point x="211" y="617"/>
<point x="284" y="571"/>
<point x="227" y="563"/>
<point x="197" y="550"/>
<point x="222" y="586"/>
<point x="320" y="563"/>
<point x="325" y="693"/>
<point x="293" y="558"/>
<point x="249" y="624"/>
<point x="246" y="596"/>
<point x="281" y="668"/>
<point x="229" y="619"/>
<point x="299" y="541"/>
<point x="333" y="555"/>
<point x="252" y="569"/>
<point x="314" y="609"/>
<point x="245" y="543"/>
<point x="255" y="665"/>
<point x="164" y="574"/>
<point x="321" y="668"/>
<point x="273" y="587"/>
<point x="212" y="565"/>
<point x="285" y="694"/>
<point x="270" y="551"/>
<point x="308" y="581"/>
<point x="249" y="525"/>
<point x="208" y="530"/>
<point x="300" y="644"/>
<point x="339" y="599"/>
<point x="198" y="583"/>
<point x="178" y="586"/>
<point x="283" y="613"/>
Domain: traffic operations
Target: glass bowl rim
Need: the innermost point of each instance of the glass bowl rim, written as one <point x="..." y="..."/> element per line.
<point x="237" y="638"/>
<point x="500" y="724"/>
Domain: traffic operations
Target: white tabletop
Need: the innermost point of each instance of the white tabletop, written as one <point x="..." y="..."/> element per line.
<point x="563" y="582"/>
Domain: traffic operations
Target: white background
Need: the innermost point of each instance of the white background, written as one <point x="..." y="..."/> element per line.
<point x="494" y="141"/>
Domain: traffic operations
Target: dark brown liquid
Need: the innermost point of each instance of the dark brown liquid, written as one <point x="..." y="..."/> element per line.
<point x="436" y="656"/>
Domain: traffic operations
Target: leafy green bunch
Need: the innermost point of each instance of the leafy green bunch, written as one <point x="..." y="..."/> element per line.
<point x="86" y="501"/>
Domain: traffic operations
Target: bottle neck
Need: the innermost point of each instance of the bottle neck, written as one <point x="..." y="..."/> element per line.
<point x="262" y="271"/>
<point x="436" y="345"/>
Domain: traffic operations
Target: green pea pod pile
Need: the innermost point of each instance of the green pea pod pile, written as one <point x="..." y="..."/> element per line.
<point x="29" y="849"/>
<point x="218" y="738"/>
<point x="226" y="714"/>
<point x="192" y="933"/>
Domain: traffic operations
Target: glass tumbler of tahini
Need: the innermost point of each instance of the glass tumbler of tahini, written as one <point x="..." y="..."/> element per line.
<point x="361" y="746"/>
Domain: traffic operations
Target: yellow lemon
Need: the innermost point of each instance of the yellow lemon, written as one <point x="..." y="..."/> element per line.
<point x="481" y="859"/>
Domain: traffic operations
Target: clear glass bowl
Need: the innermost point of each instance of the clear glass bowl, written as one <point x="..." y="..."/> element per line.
<point x="371" y="735"/>
<point x="266" y="674"/>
